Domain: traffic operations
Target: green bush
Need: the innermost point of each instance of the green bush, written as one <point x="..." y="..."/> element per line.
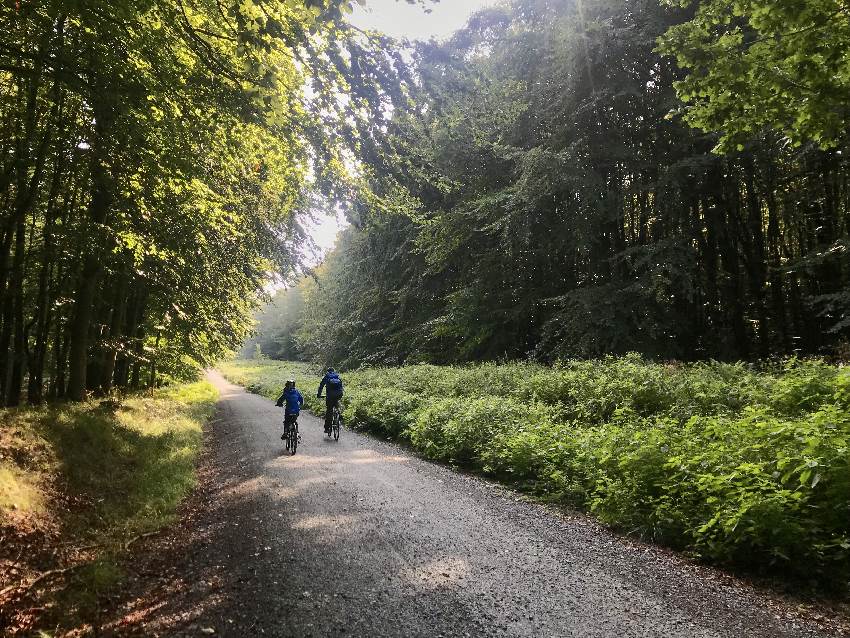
<point x="733" y="463"/>
<point x="469" y="431"/>
<point x="389" y="414"/>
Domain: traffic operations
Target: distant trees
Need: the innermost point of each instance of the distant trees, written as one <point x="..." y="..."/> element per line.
<point x="153" y="157"/>
<point x="277" y="323"/>
<point x="546" y="200"/>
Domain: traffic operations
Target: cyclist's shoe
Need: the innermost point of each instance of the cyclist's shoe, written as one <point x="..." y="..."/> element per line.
<point x="327" y="430"/>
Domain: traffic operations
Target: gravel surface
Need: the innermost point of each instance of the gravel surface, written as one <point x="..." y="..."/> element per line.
<point x="359" y="538"/>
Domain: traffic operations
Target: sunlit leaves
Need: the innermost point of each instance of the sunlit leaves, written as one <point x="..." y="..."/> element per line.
<point x="207" y="122"/>
<point x="765" y="64"/>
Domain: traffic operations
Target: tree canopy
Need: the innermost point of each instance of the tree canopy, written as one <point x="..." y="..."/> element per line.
<point x="561" y="178"/>
<point x="154" y="158"/>
<point x="545" y="200"/>
<point x="765" y="64"/>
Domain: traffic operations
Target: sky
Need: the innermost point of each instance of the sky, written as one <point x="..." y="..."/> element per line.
<point x="400" y="20"/>
<point x="403" y="20"/>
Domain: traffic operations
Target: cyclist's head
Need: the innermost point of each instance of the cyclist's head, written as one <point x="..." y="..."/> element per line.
<point x="330" y="370"/>
<point x="291" y="383"/>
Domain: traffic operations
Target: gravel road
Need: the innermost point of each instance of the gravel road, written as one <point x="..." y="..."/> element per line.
<point x="359" y="538"/>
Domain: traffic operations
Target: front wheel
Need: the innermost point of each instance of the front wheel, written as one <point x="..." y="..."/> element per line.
<point x="337" y="423"/>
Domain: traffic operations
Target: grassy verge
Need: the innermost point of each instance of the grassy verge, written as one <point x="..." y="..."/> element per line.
<point x="80" y="481"/>
<point x="734" y="465"/>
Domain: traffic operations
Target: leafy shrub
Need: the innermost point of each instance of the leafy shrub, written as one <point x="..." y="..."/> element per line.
<point x="389" y="414"/>
<point x="475" y="432"/>
<point x="733" y="463"/>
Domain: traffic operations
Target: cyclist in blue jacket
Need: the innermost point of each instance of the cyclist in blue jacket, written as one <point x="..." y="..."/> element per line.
<point x="333" y="383"/>
<point x="293" y="399"/>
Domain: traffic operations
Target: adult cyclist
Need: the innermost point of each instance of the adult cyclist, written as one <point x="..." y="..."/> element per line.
<point x="333" y="393"/>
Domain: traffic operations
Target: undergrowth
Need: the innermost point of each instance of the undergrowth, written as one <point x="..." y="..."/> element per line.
<point x="734" y="464"/>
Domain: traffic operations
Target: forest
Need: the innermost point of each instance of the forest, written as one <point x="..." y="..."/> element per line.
<point x="558" y="179"/>
<point x="154" y="160"/>
<point x="577" y="179"/>
<point x="596" y="250"/>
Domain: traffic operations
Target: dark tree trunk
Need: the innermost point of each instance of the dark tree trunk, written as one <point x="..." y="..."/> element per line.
<point x="98" y="210"/>
<point x="116" y="324"/>
<point x="16" y="376"/>
<point x="774" y="243"/>
<point x="753" y="236"/>
<point x="59" y="387"/>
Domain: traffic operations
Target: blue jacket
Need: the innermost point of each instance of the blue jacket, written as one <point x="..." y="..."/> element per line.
<point x="293" y="400"/>
<point x="334" y="383"/>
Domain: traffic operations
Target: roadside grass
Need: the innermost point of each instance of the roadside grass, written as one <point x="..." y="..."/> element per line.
<point x="734" y="464"/>
<point x="79" y="482"/>
<point x="267" y="377"/>
<point x="19" y="492"/>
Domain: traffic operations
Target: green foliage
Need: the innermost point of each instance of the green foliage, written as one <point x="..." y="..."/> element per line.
<point x="541" y="202"/>
<point x="157" y="158"/>
<point x="735" y="464"/>
<point x="276" y="324"/>
<point x="764" y="64"/>
<point x="389" y="414"/>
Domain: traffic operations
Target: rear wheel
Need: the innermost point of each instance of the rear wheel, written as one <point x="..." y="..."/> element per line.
<point x="292" y="444"/>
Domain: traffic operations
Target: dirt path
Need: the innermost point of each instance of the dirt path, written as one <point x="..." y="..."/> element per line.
<point x="359" y="538"/>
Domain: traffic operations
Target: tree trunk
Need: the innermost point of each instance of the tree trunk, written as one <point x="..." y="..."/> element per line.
<point x="754" y="246"/>
<point x="98" y="210"/>
<point x="16" y="376"/>
<point x="116" y="324"/>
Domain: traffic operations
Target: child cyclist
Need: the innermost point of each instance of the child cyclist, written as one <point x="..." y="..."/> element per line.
<point x="293" y="400"/>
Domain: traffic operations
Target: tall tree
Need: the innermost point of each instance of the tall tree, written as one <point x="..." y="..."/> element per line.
<point x="764" y="64"/>
<point x="155" y="158"/>
<point x="544" y="200"/>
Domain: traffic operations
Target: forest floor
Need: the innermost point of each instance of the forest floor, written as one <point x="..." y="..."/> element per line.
<point x="81" y="486"/>
<point x="358" y="537"/>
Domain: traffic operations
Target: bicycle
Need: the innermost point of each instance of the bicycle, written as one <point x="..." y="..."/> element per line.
<point x="336" y="422"/>
<point x="290" y="435"/>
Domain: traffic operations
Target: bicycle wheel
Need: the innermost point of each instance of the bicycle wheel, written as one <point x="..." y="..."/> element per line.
<point x="293" y="438"/>
<point x="337" y="423"/>
<point x="286" y="440"/>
